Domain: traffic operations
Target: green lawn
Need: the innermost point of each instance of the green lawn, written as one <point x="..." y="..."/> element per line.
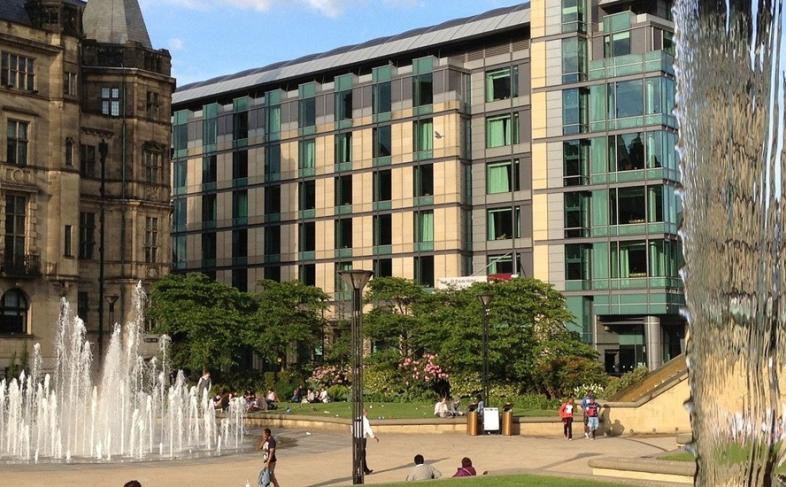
<point x="733" y="454"/>
<point x="515" y="481"/>
<point x="387" y="410"/>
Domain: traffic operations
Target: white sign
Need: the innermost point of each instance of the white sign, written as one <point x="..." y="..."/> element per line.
<point x="490" y="419"/>
<point x="459" y="282"/>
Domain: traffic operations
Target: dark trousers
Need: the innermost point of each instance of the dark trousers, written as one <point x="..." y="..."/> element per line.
<point x="365" y="466"/>
<point x="567" y="427"/>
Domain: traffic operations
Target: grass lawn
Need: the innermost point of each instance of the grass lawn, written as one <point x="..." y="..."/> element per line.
<point x="733" y="454"/>
<point x="387" y="410"/>
<point x="515" y="481"/>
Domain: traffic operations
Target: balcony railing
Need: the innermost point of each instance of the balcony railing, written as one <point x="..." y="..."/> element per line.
<point x="21" y="265"/>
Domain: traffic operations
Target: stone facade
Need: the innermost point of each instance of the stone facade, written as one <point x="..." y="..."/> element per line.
<point x="78" y="100"/>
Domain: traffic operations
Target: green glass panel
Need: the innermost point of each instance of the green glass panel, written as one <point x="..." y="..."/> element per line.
<point x="423" y="65"/>
<point x="343" y="82"/>
<point x="600" y="208"/>
<point x="382" y="73"/>
<point x="497" y="178"/>
<point x="307" y="90"/>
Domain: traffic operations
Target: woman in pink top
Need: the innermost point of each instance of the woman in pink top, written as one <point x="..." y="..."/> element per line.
<point x="466" y="469"/>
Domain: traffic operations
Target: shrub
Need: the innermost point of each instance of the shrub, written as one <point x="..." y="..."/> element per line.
<point x="581" y="391"/>
<point x="618" y="384"/>
<point x="465" y="385"/>
<point x="535" y="401"/>
<point x="329" y="375"/>
<point x="382" y="384"/>
<point x="338" y="393"/>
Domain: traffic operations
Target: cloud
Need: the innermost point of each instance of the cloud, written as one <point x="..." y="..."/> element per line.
<point x="176" y="44"/>
<point x="328" y="8"/>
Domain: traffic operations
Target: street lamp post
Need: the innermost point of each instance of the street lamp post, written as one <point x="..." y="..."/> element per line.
<point x="357" y="280"/>
<point x="485" y="300"/>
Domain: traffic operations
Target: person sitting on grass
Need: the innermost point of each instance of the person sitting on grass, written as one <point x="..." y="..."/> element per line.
<point x="421" y="471"/>
<point x="466" y="469"/>
<point x="441" y="409"/>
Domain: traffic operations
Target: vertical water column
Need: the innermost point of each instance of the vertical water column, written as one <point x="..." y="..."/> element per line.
<point x="730" y="79"/>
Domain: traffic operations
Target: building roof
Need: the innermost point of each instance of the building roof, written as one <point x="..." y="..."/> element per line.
<point x="384" y="47"/>
<point x="115" y="22"/>
<point x="14" y="11"/>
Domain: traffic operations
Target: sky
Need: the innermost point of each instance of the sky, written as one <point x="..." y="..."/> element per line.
<point x="209" y="38"/>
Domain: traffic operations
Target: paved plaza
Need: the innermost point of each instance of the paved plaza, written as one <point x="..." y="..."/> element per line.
<point x="323" y="459"/>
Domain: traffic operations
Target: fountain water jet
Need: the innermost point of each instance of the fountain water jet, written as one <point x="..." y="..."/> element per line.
<point x="68" y="416"/>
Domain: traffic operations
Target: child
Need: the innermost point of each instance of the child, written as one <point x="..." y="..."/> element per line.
<point x="566" y="413"/>
<point x="593" y="421"/>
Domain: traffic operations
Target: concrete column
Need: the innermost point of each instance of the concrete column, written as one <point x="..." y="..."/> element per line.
<point x="653" y="336"/>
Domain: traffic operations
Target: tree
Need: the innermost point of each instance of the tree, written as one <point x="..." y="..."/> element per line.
<point x="203" y="317"/>
<point x="288" y="314"/>
<point x="391" y="323"/>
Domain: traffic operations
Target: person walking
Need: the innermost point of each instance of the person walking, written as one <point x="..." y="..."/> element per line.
<point x="421" y="471"/>
<point x="268" y="446"/>
<point x="566" y="414"/>
<point x="584" y="404"/>
<point x="366" y="434"/>
<point x="593" y="419"/>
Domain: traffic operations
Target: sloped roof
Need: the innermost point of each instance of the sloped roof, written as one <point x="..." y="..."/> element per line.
<point x="14" y="11"/>
<point x="115" y="22"/>
<point x="384" y="47"/>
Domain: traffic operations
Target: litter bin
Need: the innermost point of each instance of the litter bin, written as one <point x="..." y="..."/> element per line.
<point x="472" y="423"/>
<point x="507" y="422"/>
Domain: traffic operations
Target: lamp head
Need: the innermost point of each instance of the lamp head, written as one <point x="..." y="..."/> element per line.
<point x="356" y="278"/>
<point x="485" y="298"/>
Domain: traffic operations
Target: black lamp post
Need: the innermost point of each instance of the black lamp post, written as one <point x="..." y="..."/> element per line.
<point x="485" y="300"/>
<point x="357" y="280"/>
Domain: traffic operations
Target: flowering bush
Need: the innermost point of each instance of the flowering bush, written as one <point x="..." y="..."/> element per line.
<point x="425" y="371"/>
<point x="329" y="375"/>
<point x="584" y="389"/>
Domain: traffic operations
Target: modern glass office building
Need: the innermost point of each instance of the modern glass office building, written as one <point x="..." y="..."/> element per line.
<point x="535" y="140"/>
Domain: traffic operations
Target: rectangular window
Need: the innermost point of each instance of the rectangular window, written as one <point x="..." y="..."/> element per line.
<point x="240" y="125"/>
<point x="209" y="209"/>
<point x="307" y="273"/>
<point x="616" y="44"/>
<point x="274" y="119"/>
<point x="151" y="240"/>
<point x="502" y="177"/>
<point x="15" y="216"/>
<point x="343" y="190"/>
<point x="381" y="97"/>
<point x="343" y="147"/>
<point x="153" y="167"/>
<point x="240" y="279"/>
<point x="344" y="233"/>
<point x="626" y="99"/>
<point x="179" y="214"/>
<point x="383" y="229"/>
<point x="382" y="186"/>
<point x="502" y="130"/>
<point x="342" y="289"/>
<point x="307" y="237"/>
<point x="502" y="84"/>
<point x="273" y="240"/>
<point x="272" y="200"/>
<point x="153" y="105"/>
<point x="209" y="169"/>
<point x="307" y="195"/>
<point x="87" y="160"/>
<point x="344" y="105"/>
<point x="17" y="143"/>
<point x="578" y="262"/>
<point x="82" y="305"/>
<point x="209" y="249"/>
<point x="628" y="259"/>
<point x="240" y="164"/>
<point x="67" y="241"/>
<point x="502" y="225"/>
<point x="574" y="60"/>
<point x="273" y="273"/>
<point x="240" y="207"/>
<point x="424" y="270"/>
<point x="180" y="139"/>
<point x="577" y="214"/>
<point x="87" y="230"/>
<point x="422" y="90"/>
<point x="307" y="154"/>
<point x="383" y="267"/>
<point x="382" y="142"/>
<point x="626" y="152"/>
<point x="575" y="110"/>
<point x="69" y="152"/>
<point x="424" y="226"/>
<point x="573" y="16"/>
<point x="273" y="162"/>
<point x="627" y="206"/>
<point x="180" y="172"/>
<point x="240" y="243"/>
<point x="423" y="137"/>
<point x="308" y="112"/>
<point x="423" y="179"/>
<point x="17" y="72"/>
<point x="70" y="86"/>
<point x="501" y="264"/>
<point x="110" y="101"/>
<point x="179" y="251"/>
<point x="655" y="205"/>
<point x="575" y="160"/>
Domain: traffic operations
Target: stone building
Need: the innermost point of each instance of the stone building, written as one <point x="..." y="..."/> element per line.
<point x="85" y="135"/>
<point x="535" y="140"/>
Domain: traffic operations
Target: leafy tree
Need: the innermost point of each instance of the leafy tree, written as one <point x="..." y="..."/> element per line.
<point x="391" y="323"/>
<point x="288" y="314"/>
<point x="203" y="318"/>
<point x="563" y="363"/>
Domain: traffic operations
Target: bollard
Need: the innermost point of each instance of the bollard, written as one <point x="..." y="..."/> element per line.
<point x="507" y="423"/>
<point x="472" y="423"/>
